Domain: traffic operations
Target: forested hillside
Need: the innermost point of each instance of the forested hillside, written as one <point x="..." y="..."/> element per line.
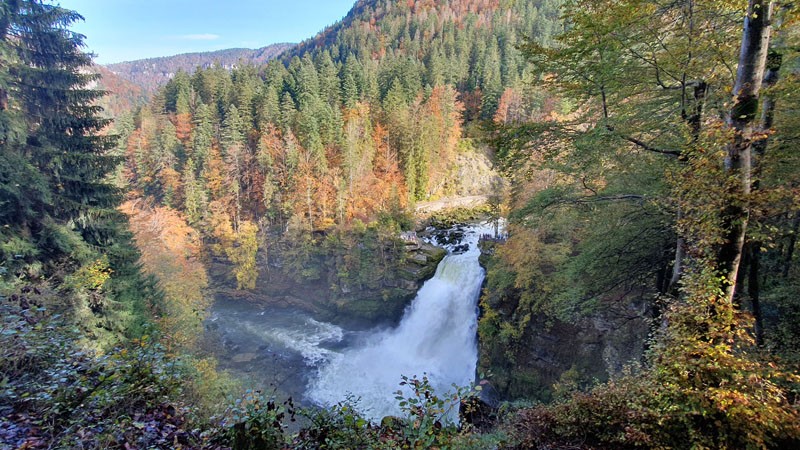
<point x="152" y="73"/>
<point x="122" y="96"/>
<point x="336" y="135"/>
<point x="644" y="294"/>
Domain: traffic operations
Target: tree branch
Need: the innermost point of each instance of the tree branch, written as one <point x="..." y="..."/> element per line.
<point x="607" y="198"/>
<point x="643" y="145"/>
<point x="593" y="199"/>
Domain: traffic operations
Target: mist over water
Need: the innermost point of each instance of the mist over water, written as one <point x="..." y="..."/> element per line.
<point x="436" y="337"/>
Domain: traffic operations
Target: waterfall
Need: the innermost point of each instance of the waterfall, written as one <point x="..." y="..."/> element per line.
<point x="436" y="337"/>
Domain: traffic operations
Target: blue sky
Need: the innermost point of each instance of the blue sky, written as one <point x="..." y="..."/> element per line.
<point x="124" y="30"/>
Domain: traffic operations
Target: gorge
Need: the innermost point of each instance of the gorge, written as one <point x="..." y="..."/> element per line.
<point x="321" y="363"/>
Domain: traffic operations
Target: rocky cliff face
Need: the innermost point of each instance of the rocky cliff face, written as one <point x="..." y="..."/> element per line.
<point x="549" y="355"/>
<point x="471" y="174"/>
<point x="331" y="299"/>
<point x="559" y="354"/>
<point x="151" y="73"/>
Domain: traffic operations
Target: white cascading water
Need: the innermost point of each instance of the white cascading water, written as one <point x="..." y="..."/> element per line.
<point x="304" y="338"/>
<point x="436" y="337"/>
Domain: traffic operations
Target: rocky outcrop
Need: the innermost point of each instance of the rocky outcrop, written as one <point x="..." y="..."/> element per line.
<point x="329" y="299"/>
<point x="471" y="173"/>
<point x="425" y="209"/>
<point x="533" y="354"/>
<point x="571" y="354"/>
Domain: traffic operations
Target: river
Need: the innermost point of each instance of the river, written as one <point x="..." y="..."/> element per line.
<point x="321" y="363"/>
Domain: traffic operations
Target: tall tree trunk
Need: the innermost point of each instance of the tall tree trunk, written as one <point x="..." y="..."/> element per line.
<point x="774" y="60"/>
<point x="741" y="275"/>
<point x="695" y="122"/>
<point x="749" y="76"/>
<point x="754" y="291"/>
<point x="787" y="262"/>
<point x="677" y="266"/>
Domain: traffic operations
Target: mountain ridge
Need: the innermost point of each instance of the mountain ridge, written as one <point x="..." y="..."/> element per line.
<point x="151" y="73"/>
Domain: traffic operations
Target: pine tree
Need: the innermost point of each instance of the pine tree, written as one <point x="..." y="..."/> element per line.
<point x="178" y="93"/>
<point x="62" y="144"/>
<point x="195" y="200"/>
<point x="288" y="112"/>
<point x="232" y="129"/>
<point x="328" y="80"/>
<point x="202" y="135"/>
<point x="349" y="90"/>
<point x="245" y="83"/>
<point x="23" y="189"/>
<point x="352" y="81"/>
<point x="267" y="108"/>
<point x="167" y="152"/>
<point x="491" y="81"/>
<point x="58" y="205"/>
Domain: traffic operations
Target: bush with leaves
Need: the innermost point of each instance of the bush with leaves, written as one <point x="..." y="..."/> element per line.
<point x="431" y="419"/>
<point x="56" y="394"/>
<point x="339" y="427"/>
<point x="257" y="422"/>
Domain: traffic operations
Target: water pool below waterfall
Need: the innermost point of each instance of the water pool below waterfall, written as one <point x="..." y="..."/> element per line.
<point x="322" y="363"/>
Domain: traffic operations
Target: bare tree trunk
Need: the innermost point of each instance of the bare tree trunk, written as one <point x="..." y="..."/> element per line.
<point x="695" y="122"/>
<point x="741" y="276"/>
<point x="774" y="61"/>
<point x="754" y="291"/>
<point x="787" y="263"/>
<point x="677" y="266"/>
<point x="749" y="76"/>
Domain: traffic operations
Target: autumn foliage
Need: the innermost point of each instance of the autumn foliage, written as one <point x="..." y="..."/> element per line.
<point x="170" y="249"/>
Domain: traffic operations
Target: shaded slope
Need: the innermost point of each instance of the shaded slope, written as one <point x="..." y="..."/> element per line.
<point x="123" y="95"/>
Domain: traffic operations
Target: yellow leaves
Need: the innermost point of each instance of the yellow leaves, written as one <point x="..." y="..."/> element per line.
<point x="326" y="223"/>
<point x="243" y="255"/>
<point x="531" y="258"/>
<point x="239" y="246"/>
<point x="214" y="173"/>
<point x="91" y="277"/>
<point x="170" y="250"/>
<point x="220" y="225"/>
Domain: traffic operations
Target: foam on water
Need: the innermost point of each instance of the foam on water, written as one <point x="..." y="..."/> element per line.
<point x="307" y="341"/>
<point x="304" y="338"/>
<point x="436" y="337"/>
